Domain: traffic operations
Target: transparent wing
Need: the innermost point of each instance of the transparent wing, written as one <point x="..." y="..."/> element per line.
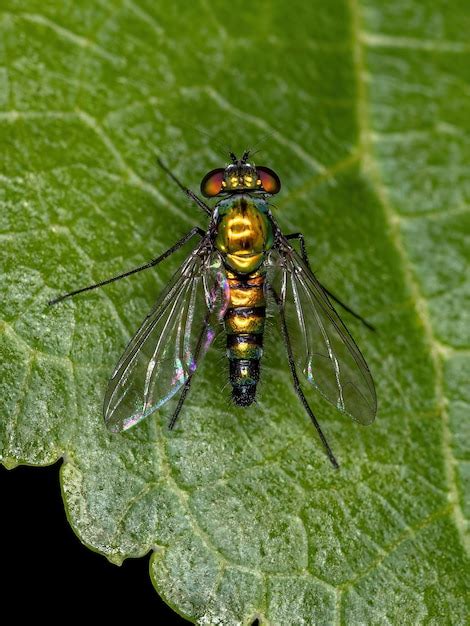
<point x="171" y="342"/>
<point x="323" y="349"/>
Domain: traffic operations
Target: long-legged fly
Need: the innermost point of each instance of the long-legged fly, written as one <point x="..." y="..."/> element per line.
<point x="242" y="263"/>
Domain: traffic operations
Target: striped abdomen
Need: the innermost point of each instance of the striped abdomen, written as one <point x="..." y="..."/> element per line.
<point x="244" y="325"/>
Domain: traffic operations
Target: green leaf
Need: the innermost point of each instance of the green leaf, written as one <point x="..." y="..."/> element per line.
<point x="367" y="106"/>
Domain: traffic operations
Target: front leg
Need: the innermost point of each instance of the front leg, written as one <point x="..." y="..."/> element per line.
<point x="202" y="205"/>
<point x="194" y="231"/>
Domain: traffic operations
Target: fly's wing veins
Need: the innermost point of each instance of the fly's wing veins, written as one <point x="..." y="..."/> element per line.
<point x="170" y="343"/>
<point x="323" y="349"/>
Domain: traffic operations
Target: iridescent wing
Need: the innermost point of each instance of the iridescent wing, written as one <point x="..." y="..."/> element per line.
<point x="171" y="342"/>
<point x="323" y="350"/>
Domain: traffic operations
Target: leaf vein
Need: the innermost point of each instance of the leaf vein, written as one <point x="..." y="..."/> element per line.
<point x="371" y="167"/>
<point x="78" y="40"/>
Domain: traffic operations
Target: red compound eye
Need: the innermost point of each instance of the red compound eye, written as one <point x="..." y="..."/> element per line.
<point x="211" y="184"/>
<point x="269" y="179"/>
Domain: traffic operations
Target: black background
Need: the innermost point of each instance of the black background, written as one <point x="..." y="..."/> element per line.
<point x="44" y="563"/>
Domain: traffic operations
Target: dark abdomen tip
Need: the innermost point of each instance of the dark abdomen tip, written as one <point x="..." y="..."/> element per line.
<point x="244" y="374"/>
<point x="243" y="395"/>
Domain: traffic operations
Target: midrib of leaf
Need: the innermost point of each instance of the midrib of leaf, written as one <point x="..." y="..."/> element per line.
<point x="371" y="168"/>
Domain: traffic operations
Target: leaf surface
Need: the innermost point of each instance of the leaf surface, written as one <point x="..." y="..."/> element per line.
<point x="366" y="105"/>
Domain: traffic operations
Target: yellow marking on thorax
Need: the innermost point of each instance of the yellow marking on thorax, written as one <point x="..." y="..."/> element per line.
<point x="244" y="263"/>
<point x="244" y="234"/>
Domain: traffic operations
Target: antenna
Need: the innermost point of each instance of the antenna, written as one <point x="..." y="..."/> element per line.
<point x="222" y="149"/>
<point x="253" y="150"/>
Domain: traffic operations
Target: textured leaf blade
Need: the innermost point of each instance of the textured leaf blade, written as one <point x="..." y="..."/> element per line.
<point x="368" y="109"/>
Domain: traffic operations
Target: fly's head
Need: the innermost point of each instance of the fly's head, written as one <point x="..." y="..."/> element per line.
<point x="240" y="176"/>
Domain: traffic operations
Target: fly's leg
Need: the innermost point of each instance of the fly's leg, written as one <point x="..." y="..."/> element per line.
<point x="187" y="384"/>
<point x="295" y="378"/>
<point x="303" y="248"/>
<point x="303" y="251"/>
<point x="202" y="205"/>
<point x="194" y="231"/>
<point x="348" y="309"/>
<point x="184" y="393"/>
